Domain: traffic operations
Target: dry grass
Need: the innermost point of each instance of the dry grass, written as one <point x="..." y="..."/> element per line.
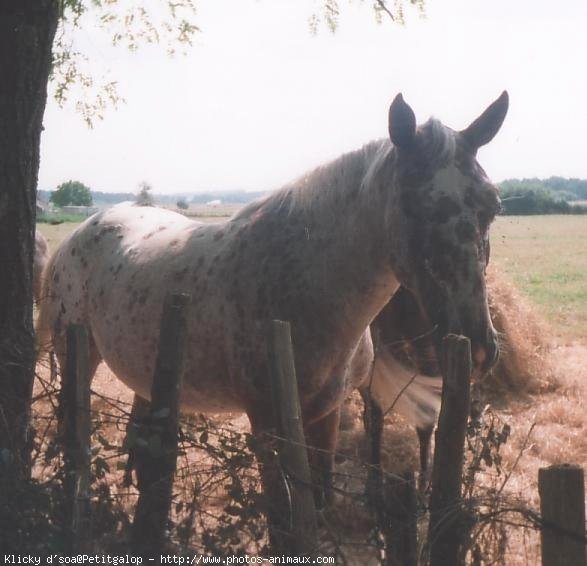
<point x="56" y="233"/>
<point x="525" y="341"/>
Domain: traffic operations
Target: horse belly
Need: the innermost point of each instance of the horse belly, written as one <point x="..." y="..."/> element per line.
<point x="128" y="338"/>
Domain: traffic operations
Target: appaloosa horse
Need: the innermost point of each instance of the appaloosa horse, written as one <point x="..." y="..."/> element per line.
<point x="326" y="252"/>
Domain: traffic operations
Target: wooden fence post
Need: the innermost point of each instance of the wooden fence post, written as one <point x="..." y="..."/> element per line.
<point x="156" y="449"/>
<point x="446" y="525"/>
<point x="76" y="428"/>
<point x="400" y="531"/>
<point x="562" y="506"/>
<point x="293" y="454"/>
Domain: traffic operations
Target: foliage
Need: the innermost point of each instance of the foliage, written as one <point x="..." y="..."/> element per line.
<point x="548" y="196"/>
<point x="217" y="505"/>
<point x="567" y="189"/>
<point x="236" y="196"/>
<point x="72" y="193"/>
<point x="217" y="500"/>
<point x="145" y="196"/>
<point x="543" y="196"/>
<point x="58" y="218"/>
<point x="182" y="204"/>
<point x="27" y="517"/>
<point x="329" y="13"/>
<point x="485" y="540"/>
<point x="532" y="201"/>
<point x="169" y="23"/>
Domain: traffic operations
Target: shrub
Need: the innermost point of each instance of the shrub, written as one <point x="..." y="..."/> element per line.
<point x="72" y="193"/>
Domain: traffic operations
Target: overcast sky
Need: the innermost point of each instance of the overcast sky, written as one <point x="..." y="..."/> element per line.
<point x="258" y="100"/>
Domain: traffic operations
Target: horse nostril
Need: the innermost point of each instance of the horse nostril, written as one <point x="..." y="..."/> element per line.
<point x="485" y="357"/>
<point x="480" y="356"/>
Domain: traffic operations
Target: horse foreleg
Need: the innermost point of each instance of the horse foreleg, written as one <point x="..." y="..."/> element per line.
<point x="425" y="440"/>
<point x="140" y="409"/>
<point x="321" y="437"/>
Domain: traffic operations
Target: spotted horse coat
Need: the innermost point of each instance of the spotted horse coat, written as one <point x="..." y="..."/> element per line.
<point x="326" y="252"/>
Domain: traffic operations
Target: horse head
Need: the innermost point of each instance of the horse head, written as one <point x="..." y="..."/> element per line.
<point x="443" y="207"/>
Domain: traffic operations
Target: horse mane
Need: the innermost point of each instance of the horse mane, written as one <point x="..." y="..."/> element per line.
<point x="352" y="171"/>
<point x="319" y="186"/>
<point x="438" y="142"/>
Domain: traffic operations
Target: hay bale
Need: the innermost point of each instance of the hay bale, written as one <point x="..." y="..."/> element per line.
<point x="524" y="364"/>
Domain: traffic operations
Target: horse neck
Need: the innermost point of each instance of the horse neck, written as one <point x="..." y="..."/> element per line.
<point x="345" y="249"/>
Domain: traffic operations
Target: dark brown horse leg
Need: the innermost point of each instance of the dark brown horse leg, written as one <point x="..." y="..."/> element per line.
<point x="425" y="438"/>
<point x="373" y="423"/>
<point x="321" y="437"/>
<point x="140" y="409"/>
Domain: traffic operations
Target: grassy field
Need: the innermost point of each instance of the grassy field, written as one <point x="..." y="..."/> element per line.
<point x="56" y="233"/>
<point x="545" y="256"/>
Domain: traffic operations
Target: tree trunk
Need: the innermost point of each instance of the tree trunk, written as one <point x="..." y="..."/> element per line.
<point x="27" y="30"/>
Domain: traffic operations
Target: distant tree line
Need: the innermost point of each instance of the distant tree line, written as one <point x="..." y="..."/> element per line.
<point x="567" y="189"/>
<point x="100" y="198"/>
<point x="555" y="195"/>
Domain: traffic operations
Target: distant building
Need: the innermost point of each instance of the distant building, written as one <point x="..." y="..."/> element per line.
<point x="215" y="202"/>
<point x="81" y="210"/>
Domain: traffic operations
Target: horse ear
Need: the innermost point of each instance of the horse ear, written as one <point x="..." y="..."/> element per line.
<point x="484" y="128"/>
<point x="402" y="123"/>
